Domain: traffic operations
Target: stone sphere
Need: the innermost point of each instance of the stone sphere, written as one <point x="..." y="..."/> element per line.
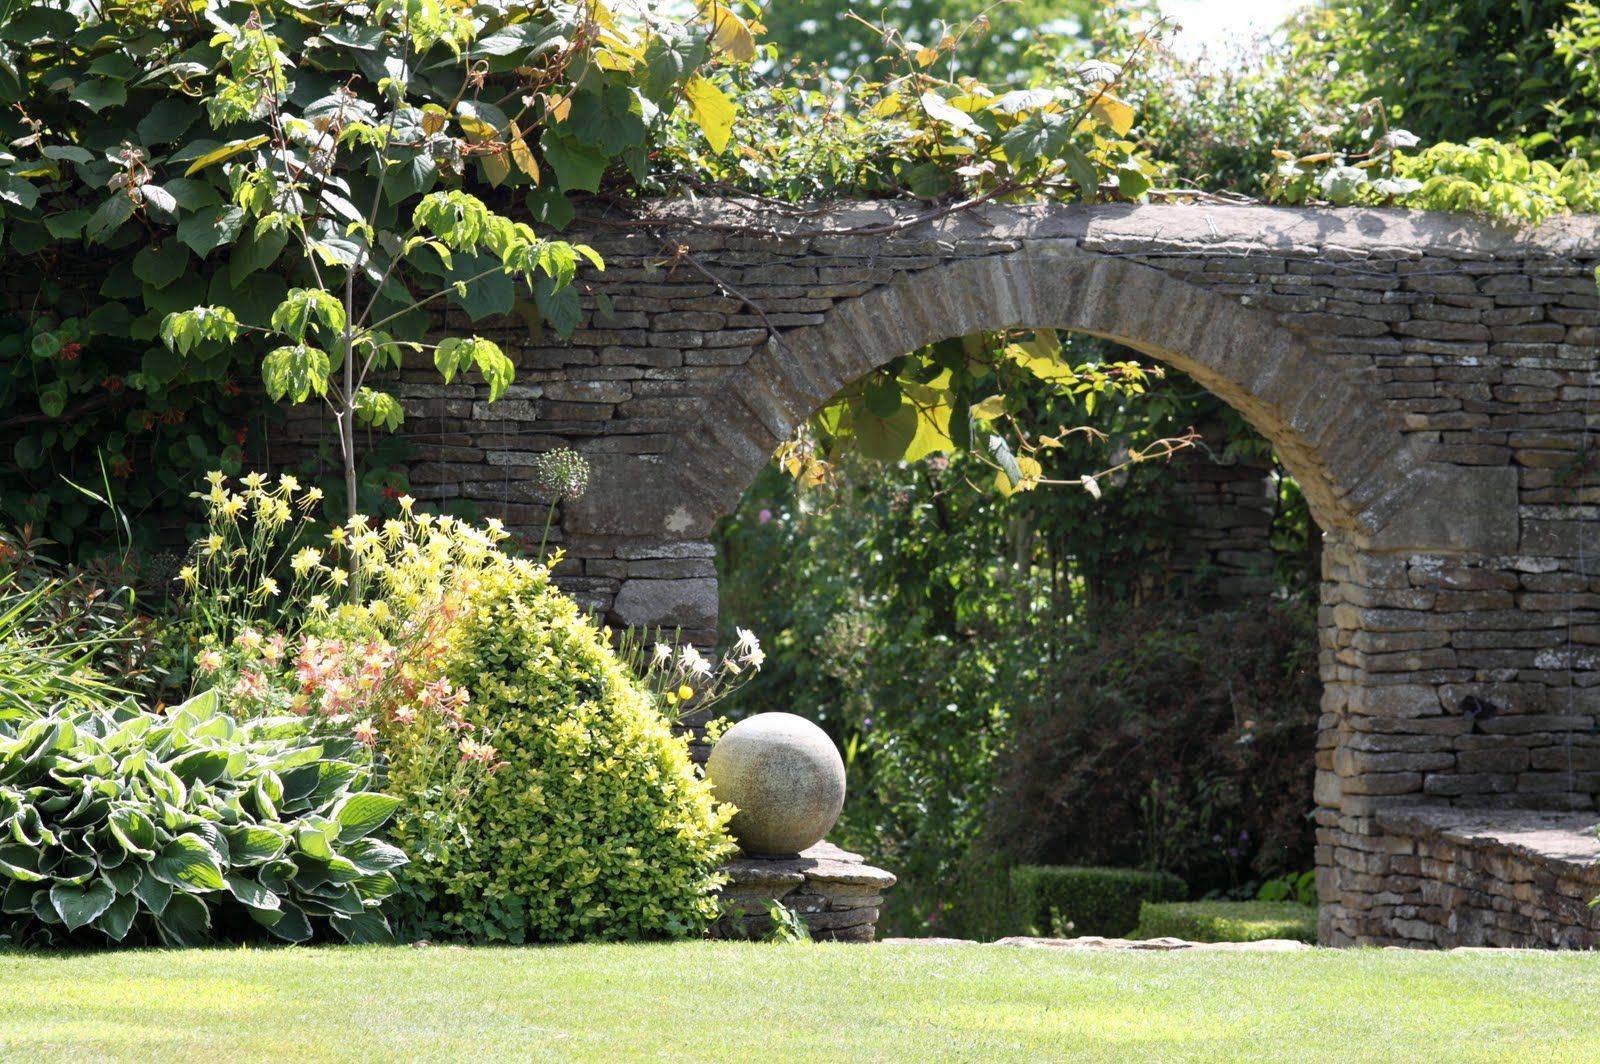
<point x="786" y="778"/>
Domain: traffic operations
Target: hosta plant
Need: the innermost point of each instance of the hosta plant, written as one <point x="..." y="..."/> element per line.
<point x="188" y="828"/>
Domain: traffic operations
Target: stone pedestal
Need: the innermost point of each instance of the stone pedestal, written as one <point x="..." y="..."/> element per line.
<point x="836" y="893"/>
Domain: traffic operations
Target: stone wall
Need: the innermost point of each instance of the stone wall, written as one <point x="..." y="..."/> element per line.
<point x="1428" y="380"/>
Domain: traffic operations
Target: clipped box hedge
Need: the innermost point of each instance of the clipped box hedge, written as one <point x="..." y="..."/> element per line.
<point x="1067" y="900"/>
<point x="1228" y="921"/>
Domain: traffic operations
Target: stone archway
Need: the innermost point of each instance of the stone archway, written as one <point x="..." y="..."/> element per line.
<point x="1427" y="378"/>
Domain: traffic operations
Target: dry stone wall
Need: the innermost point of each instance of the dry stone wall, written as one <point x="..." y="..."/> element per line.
<point x="1428" y="379"/>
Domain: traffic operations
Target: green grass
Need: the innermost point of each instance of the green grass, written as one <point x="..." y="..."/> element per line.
<point x="701" y="1001"/>
<point x="1227" y="921"/>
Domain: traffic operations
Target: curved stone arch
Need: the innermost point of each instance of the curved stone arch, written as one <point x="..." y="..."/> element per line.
<point x="1329" y="428"/>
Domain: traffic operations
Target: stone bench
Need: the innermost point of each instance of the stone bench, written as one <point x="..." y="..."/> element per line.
<point x="1491" y="877"/>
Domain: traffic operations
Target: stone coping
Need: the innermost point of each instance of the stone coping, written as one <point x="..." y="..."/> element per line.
<point x="1385" y="231"/>
<point x="1564" y="842"/>
<point x="822" y="863"/>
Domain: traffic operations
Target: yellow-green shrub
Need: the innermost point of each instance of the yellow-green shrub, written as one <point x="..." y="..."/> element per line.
<point x="595" y="824"/>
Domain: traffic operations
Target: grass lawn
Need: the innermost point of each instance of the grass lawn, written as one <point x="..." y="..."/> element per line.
<point x="701" y="1001"/>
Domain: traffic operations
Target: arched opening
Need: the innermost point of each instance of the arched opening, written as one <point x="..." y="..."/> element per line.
<point x="1294" y="404"/>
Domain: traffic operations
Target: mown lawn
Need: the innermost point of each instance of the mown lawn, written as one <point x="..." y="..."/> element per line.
<point x="699" y="1001"/>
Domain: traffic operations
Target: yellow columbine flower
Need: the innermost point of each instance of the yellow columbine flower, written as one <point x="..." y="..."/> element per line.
<point x="406" y="503"/>
<point x="189" y="575"/>
<point x="268" y="587"/>
<point x="215" y="478"/>
<point x="305" y="560"/>
<point x="213" y="543"/>
<point x="233" y="507"/>
<point x="253" y="480"/>
<point x="337" y="535"/>
<point x="339" y="577"/>
<point x="317" y="603"/>
<point x="288" y="483"/>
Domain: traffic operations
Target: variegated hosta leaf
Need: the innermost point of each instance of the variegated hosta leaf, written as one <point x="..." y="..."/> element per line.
<point x="126" y="826"/>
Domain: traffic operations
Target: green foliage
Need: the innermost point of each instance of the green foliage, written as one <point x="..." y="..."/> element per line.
<point x="1227" y="921"/>
<point x="1452" y="70"/>
<point x="187" y="828"/>
<point x="44" y="664"/>
<point x="1001" y="48"/>
<point x="924" y="128"/>
<point x="292" y="189"/>
<point x="1170" y="738"/>
<point x="1069" y="901"/>
<point x="1484" y="177"/>
<point x="596" y="826"/>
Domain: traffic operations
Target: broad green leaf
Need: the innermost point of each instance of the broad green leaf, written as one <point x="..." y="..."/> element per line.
<point x="187" y="863"/>
<point x="108" y="217"/>
<point x="78" y="906"/>
<point x="186" y="921"/>
<point x="253" y="894"/>
<point x="578" y="167"/>
<point x="158" y="265"/>
<point x="99" y="93"/>
<point x="363" y="813"/>
<point x="118" y="918"/>
<point x="211" y="227"/>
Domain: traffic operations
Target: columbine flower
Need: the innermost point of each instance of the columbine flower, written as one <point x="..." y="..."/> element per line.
<point x="317" y="604"/>
<point x="215" y="478"/>
<point x="214" y="543"/>
<point x="288" y="483"/>
<point x="272" y="651"/>
<point x="253" y="480"/>
<point x="690" y="660"/>
<point x="476" y="752"/>
<point x="406" y="503"/>
<point x="208" y="661"/>
<point x="251" y="684"/>
<point x="663" y="654"/>
<point x="305" y="560"/>
<point x="268" y="588"/>
<point x="189" y="576"/>
<point x="339" y="577"/>
<point x="249" y="640"/>
<point x="746" y="641"/>
<point x="365" y="733"/>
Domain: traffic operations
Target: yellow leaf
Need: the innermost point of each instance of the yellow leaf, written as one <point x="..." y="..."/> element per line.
<point x="889" y="106"/>
<point x="434" y="118"/>
<point x="560" y="109"/>
<point x="477" y="129"/>
<point x="227" y="151"/>
<point x="711" y="110"/>
<point x="1031" y="472"/>
<point x="522" y="156"/>
<point x="495" y="168"/>
<point x="1114" y="113"/>
<point x="730" y="34"/>
<point x="989" y="409"/>
<point x="926" y="56"/>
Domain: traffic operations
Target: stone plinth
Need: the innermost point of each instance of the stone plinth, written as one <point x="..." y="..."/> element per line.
<point x="835" y="892"/>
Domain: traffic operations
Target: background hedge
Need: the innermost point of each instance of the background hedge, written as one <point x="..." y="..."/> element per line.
<point x="1052" y="899"/>
<point x="1228" y="921"/>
